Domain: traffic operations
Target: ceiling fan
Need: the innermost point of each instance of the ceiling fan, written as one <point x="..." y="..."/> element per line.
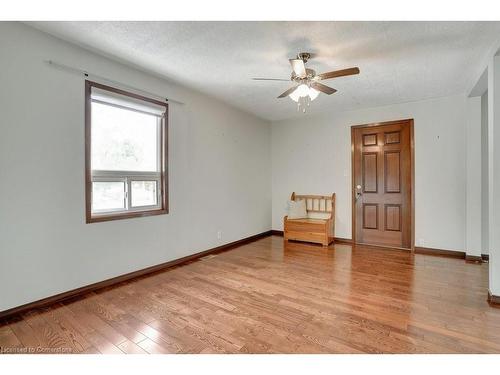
<point x="306" y="82"/>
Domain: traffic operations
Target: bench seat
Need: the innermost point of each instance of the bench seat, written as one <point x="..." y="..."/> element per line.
<point x="318" y="227"/>
<point x="307" y="220"/>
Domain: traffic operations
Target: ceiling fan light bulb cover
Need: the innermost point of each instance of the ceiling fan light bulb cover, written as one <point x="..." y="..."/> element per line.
<point x="313" y="93"/>
<point x="302" y="90"/>
<point x="294" y="96"/>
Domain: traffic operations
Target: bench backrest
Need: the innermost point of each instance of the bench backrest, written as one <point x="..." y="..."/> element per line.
<point x="318" y="206"/>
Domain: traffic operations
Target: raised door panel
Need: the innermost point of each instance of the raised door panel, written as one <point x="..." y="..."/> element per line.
<point x="392" y="217"/>
<point x="370" y="140"/>
<point x="392" y="138"/>
<point x="370" y="172"/>
<point x="370" y="216"/>
<point x="392" y="165"/>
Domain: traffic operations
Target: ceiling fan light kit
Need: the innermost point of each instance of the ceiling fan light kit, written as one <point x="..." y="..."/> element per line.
<point x="303" y="96"/>
<point x="307" y="86"/>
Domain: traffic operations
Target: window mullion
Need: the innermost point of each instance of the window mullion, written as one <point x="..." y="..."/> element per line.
<point x="129" y="193"/>
<point x="124" y="174"/>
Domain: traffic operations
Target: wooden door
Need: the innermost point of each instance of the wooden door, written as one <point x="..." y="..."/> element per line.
<point x="382" y="184"/>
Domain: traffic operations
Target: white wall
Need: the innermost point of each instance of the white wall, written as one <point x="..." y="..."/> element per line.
<point x="473" y="216"/>
<point x="494" y="173"/>
<point x="313" y="155"/>
<point x="484" y="174"/>
<point x="219" y="174"/>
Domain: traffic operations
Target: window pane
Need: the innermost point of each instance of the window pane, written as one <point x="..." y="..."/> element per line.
<point x="143" y="193"/>
<point x="123" y="140"/>
<point x="108" y="195"/>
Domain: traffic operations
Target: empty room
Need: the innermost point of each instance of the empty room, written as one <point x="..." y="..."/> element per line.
<point x="249" y="187"/>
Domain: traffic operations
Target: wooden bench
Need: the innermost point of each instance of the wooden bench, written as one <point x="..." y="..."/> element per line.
<point x="319" y="226"/>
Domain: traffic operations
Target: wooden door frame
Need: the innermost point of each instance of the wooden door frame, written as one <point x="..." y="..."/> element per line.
<point x="408" y="122"/>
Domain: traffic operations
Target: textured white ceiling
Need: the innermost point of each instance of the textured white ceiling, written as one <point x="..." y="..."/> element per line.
<point x="399" y="61"/>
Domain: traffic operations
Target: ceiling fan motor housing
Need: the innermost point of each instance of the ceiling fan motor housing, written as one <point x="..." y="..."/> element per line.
<point x="310" y="74"/>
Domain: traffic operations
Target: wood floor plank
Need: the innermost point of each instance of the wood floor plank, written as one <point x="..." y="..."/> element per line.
<point x="57" y="316"/>
<point x="85" y="312"/>
<point x="8" y="341"/>
<point x="51" y="337"/>
<point x="152" y="347"/>
<point x="129" y="347"/>
<point x="101" y="344"/>
<point x="263" y="297"/>
<point x="159" y="337"/>
<point x="24" y="333"/>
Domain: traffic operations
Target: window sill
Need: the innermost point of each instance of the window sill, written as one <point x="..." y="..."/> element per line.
<point x="124" y="215"/>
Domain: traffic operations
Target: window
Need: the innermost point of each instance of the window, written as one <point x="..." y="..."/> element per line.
<point x="126" y="154"/>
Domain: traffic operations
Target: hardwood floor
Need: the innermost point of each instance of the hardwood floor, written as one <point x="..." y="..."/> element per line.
<point x="261" y="298"/>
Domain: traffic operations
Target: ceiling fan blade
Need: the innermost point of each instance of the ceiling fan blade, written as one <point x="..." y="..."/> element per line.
<point x="298" y="67"/>
<point x="339" y="73"/>
<point x="271" y="79"/>
<point x="323" y="88"/>
<point x="288" y="92"/>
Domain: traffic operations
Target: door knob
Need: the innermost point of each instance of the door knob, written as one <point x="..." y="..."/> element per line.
<point x="358" y="192"/>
